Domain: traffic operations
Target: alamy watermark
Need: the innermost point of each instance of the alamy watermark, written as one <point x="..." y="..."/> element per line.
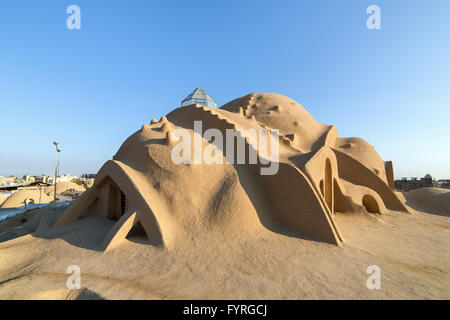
<point x="374" y="281"/>
<point x="74" y="280"/>
<point x="74" y="20"/>
<point x="262" y="146"/>
<point x="374" y="20"/>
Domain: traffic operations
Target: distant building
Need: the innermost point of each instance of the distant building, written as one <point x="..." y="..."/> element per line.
<point x="48" y="178"/>
<point x="29" y="178"/>
<point x="414" y="183"/>
<point x="34" y="185"/>
<point x="7" y="181"/>
<point x="88" y="176"/>
<point x="66" y="178"/>
<point x="199" y="96"/>
<point x="445" y="183"/>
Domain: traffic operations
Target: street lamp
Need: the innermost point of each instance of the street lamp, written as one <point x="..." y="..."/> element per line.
<point x="56" y="172"/>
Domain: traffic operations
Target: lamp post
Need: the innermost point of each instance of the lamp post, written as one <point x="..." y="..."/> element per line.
<point x="56" y="172"/>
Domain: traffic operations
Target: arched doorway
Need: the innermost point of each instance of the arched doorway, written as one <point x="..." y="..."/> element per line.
<point x="328" y="185"/>
<point x="370" y="204"/>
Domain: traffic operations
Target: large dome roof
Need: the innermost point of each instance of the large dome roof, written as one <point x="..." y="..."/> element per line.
<point x="317" y="173"/>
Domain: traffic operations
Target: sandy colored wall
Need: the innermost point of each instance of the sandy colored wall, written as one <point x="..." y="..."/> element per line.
<point x="17" y="198"/>
<point x="62" y="187"/>
<point x="352" y="170"/>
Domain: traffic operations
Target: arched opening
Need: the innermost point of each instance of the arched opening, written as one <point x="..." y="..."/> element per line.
<point x="28" y="200"/>
<point x="370" y="204"/>
<point x="137" y="234"/>
<point x="328" y="185"/>
<point x="113" y="201"/>
<point x="340" y="201"/>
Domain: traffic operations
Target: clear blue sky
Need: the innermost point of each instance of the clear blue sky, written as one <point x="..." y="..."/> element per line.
<point x="135" y="60"/>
